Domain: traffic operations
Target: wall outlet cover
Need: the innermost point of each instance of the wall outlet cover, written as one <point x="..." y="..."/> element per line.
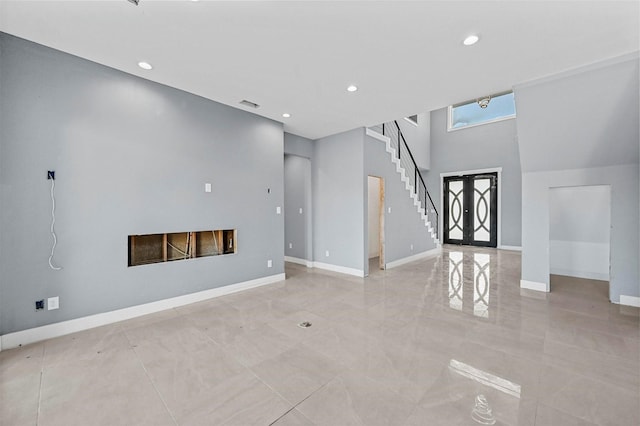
<point x="53" y="303"/>
<point x="269" y="263"/>
<point x="278" y="210"/>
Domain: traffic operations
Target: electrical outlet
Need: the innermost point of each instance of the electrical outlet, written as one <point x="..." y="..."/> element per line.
<point x="290" y="245"/>
<point x="269" y="263"/>
<point x="411" y="247"/>
<point x="53" y="303"/>
<point x="207" y="187"/>
<point x="326" y="253"/>
<point x="278" y="210"/>
<point x="51" y="174"/>
<point x="300" y="210"/>
<point x="39" y="304"/>
<point x="389" y="209"/>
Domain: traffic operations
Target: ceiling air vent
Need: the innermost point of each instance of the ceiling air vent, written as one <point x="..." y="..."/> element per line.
<point x="134" y="2"/>
<point x="249" y="104"/>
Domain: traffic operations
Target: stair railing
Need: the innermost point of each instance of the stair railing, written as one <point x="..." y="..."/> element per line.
<point x="405" y="156"/>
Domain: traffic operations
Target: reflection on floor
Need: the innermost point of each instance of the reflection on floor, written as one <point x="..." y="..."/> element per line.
<point x="445" y="341"/>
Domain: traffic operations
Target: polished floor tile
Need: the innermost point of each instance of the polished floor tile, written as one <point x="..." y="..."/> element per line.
<point x="450" y="340"/>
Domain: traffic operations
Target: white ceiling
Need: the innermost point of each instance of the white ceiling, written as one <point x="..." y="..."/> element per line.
<point x="299" y="56"/>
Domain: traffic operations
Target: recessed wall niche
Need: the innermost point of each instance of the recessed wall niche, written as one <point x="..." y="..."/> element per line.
<point x="157" y="248"/>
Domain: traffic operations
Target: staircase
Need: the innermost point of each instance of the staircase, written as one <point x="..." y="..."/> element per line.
<point x="406" y="166"/>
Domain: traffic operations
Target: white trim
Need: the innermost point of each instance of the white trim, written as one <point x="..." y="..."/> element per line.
<point x="376" y="135"/>
<point x="424" y="255"/>
<point x="303" y="262"/>
<point x="511" y="248"/>
<point x="469" y="126"/>
<point x="630" y="300"/>
<point x="340" y="269"/>
<point x="24" y="337"/>
<point x="497" y="170"/>
<point x="533" y="285"/>
<point x="472" y="172"/>
<point x="579" y="274"/>
<point x="579" y="70"/>
<point x="411" y="121"/>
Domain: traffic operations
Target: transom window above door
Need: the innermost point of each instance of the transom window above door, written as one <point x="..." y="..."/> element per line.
<point x="488" y="109"/>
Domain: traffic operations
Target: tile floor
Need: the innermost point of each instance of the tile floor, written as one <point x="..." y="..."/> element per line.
<point x="445" y="341"/>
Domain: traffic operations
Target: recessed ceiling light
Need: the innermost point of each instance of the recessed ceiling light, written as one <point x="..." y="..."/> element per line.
<point x="145" y="65"/>
<point x="472" y="39"/>
<point x="352" y="88"/>
<point x="286" y="115"/>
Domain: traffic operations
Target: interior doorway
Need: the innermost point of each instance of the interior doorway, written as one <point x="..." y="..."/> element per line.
<point x="471" y="209"/>
<point x="375" y="213"/>
<point x="579" y="236"/>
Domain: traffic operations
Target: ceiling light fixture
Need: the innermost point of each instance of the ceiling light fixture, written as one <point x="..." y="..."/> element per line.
<point x="352" y="88"/>
<point x="145" y="65"/>
<point x="471" y="40"/>
<point x="484" y="102"/>
<point x="286" y="115"/>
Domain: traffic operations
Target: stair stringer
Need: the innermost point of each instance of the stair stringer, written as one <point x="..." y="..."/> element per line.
<point x="407" y="182"/>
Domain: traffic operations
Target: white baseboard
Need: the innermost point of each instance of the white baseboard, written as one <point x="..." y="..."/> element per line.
<point x="512" y="248"/>
<point x="533" y="285"/>
<point x="325" y="266"/>
<point x="24" y="337"/>
<point x="303" y="262"/>
<point x="424" y="255"/>
<point x="340" y="269"/>
<point x="630" y="301"/>
<point x="580" y="274"/>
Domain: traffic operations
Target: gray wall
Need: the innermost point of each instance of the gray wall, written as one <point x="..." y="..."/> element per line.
<point x="131" y="157"/>
<point x="403" y="226"/>
<point x="298" y="145"/>
<point x="297" y="207"/>
<point x="339" y="202"/>
<point x="480" y="147"/>
<point x="595" y="140"/>
<point x="586" y="118"/>
<point x="419" y="139"/>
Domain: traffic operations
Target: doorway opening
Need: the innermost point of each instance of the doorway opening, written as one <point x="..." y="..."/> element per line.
<point x="375" y="213"/>
<point x="471" y="209"/>
<point x="579" y="239"/>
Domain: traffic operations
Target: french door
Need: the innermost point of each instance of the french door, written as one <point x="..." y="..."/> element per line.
<point x="470" y="210"/>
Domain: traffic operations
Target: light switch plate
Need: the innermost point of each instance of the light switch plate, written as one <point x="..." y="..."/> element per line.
<point x="207" y="187"/>
<point x="278" y="210"/>
<point x="269" y="263"/>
